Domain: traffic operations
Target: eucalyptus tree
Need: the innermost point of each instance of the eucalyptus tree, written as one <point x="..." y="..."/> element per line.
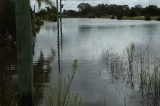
<point x="48" y="2"/>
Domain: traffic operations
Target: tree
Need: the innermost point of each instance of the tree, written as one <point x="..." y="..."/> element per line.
<point x="132" y="12"/>
<point x="84" y="8"/>
<point x="148" y="17"/>
<point x="24" y="51"/>
<point x="7" y="20"/>
<point x="48" y="2"/>
<point x="138" y="6"/>
<point x="152" y="10"/>
<point x="120" y="17"/>
<point x="70" y="13"/>
<point x="125" y="9"/>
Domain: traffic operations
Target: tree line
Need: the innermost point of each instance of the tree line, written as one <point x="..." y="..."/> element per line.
<point x="48" y="13"/>
<point x="112" y="10"/>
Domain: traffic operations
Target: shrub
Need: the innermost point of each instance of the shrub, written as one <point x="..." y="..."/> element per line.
<point x="119" y="17"/>
<point x="112" y="17"/>
<point x="148" y="17"/>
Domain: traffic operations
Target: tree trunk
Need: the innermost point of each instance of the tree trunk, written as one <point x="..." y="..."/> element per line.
<point x="24" y="51"/>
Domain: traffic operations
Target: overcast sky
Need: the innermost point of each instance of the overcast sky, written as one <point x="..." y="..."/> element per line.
<point x="72" y="4"/>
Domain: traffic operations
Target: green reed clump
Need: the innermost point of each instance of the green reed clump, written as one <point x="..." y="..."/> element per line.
<point x="114" y="63"/>
<point x="62" y="95"/>
<point x="148" y="69"/>
<point x="143" y="75"/>
<point x="131" y="55"/>
<point x="142" y="69"/>
<point x="151" y="86"/>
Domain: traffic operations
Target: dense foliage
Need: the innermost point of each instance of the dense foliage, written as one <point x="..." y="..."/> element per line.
<point x="7" y="20"/>
<point x="49" y="13"/>
<point x="112" y="10"/>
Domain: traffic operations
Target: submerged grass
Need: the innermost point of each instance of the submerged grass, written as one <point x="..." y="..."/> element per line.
<point x="142" y="69"/>
<point x="62" y="95"/>
<point x="131" y="55"/>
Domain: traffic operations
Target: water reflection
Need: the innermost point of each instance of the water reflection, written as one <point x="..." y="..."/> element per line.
<point x="139" y="71"/>
<point x="87" y="40"/>
<point x="9" y="76"/>
<point x="84" y="28"/>
<point x="42" y="70"/>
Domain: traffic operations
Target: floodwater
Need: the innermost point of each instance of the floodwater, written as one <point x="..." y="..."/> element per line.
<point x="100" y="46"/>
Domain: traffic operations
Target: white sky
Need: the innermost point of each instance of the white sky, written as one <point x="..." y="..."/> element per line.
<point x="72" y="4"/>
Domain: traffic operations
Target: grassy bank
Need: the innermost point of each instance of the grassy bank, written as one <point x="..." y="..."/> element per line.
<point x="156" y="18"/>
<point x="141" y="18"/>
<point x="135" y="18"/>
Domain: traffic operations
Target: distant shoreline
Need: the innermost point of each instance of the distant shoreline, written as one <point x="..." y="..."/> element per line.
<point x="154" y="18"/>
<point x="140" y="18"/>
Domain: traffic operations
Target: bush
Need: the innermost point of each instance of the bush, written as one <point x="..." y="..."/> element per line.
<point x="119" y="17"/>
<point x="148" y="17"/>
<point x="91" y="16"/>
<point x="112" y="17"/>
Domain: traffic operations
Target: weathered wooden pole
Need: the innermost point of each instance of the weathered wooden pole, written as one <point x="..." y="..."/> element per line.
<point x="24" y="51"/>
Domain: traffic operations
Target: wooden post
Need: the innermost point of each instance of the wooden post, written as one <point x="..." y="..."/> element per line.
<point x="24" y="51"/>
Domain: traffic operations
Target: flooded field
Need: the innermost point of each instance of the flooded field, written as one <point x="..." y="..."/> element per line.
<point x="107" y="69"/>
<point x="118" y="61"/>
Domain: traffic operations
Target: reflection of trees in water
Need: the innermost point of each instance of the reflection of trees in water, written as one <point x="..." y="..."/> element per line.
<point x="42" y="70"/>
<point x="84" y="28"/>
<point x="8" y="76"/>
